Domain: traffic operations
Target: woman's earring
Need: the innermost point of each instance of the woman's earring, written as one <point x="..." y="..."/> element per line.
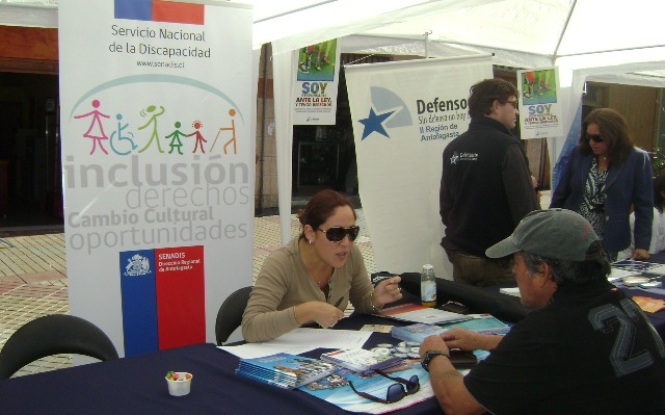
<point x="310" y="241"/>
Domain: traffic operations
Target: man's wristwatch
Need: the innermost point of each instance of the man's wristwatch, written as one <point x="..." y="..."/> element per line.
<point x="429" y="355"/>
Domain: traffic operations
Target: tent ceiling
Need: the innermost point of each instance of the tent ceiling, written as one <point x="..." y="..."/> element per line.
<point x="523" y="33"/>
<point x="553" y="28"/>
<point x="492" y="25"/>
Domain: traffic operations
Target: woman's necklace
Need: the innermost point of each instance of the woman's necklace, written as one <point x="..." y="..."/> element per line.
<point x="322" y="278"/>
<point x="603" y="164"/>
<point x="320" y="275"/>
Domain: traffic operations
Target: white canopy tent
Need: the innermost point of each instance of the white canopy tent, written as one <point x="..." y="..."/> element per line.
<point x="586" y="39"/>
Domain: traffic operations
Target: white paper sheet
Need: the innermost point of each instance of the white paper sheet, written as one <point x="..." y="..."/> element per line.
<point x="300" y="341"/>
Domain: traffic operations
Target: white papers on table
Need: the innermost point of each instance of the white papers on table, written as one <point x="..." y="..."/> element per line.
<point x="301" y="340"/>
<point x="629" y="267"/>
<point x="416" y="313"/>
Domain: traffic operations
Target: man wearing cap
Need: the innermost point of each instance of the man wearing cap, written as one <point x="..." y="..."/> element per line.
<point x="586" y="347"/>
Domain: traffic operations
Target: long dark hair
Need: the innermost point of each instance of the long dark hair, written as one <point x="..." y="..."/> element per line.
<point x="320" y="207"/>
<point x="614" y="130"/>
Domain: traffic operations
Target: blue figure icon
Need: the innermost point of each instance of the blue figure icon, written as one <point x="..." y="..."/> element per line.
<point x="118" y="136"/>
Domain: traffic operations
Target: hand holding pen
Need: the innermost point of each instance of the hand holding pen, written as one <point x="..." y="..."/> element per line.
<point x="337" y="315"/>
<point x="337" y="304"/>
<point x="387" y="291"/>
<point x="322" y="313"/>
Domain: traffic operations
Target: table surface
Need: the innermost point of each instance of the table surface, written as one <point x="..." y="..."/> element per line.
<point x="136" y="385"/>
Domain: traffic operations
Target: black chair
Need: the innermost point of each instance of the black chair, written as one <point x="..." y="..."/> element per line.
<point x="51" y="335"/>
<point x="229" y="316"/>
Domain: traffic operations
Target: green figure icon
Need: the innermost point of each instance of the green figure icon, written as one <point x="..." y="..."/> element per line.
<point x="152" y="120"/>
<point x="176" y="142"/>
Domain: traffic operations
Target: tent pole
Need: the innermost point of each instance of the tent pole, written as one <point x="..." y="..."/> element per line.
<point x="427" y="43"/>
<point x="571" y="10"/>
<point x="264" y="53"/>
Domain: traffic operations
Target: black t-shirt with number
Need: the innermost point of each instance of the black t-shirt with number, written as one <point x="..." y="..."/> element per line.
<point x="591" y="351"/>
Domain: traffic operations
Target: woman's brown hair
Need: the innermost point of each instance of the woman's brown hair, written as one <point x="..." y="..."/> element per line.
<point x="320" y="207"/>
<point x="614" y="130"/>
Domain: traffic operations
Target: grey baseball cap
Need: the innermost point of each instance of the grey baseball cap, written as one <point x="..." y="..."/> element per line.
<point x="552" y="233"/>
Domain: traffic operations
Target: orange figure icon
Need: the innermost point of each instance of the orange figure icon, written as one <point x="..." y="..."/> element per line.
<point x="232" y="140"/>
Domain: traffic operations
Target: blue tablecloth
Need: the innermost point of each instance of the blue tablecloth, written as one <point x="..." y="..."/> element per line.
<point x="136" y="385"/>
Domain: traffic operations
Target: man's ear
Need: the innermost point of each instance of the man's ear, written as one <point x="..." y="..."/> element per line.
<point x="546" y="272"/>
<point x="495" y="106"/>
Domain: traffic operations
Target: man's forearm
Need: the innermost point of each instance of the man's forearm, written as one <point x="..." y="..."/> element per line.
<point x="489" y="341"/>
<point x="449" y="389"/>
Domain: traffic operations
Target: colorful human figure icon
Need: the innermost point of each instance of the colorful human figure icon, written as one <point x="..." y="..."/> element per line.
<point x="95" y="131"/>
<point x="200" y="140"/>
<point x="176" y="142"/>
<point x="232" y="129"/>
<point x="119" y="136"/>
<point x="152" y="121"/>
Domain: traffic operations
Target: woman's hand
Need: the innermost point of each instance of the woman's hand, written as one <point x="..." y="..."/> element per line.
<point x="387" y="291"/>
<point x="324" y="314"/>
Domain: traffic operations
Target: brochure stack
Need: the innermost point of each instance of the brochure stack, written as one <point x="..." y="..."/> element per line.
<point x="285" y="370"/>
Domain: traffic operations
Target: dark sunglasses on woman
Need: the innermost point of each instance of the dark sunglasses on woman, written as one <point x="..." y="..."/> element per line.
<point x="336" y="234"/>
<point x="596" y="138"/>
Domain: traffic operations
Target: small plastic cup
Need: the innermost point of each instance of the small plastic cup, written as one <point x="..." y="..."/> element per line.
<point x="179" y="383"/>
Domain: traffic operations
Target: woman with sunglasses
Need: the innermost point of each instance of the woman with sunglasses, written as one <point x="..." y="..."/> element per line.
<point x="604" y="179"/>
<point x="314" y="277"/>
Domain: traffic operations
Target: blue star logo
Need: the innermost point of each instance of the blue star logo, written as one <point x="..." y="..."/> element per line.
<point x="374" y="122"/>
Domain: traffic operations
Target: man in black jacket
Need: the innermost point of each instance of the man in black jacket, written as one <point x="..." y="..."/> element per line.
<point x="486" y="186"/>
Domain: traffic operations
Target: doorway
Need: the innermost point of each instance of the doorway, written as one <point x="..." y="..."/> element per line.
<point x="30" y="166"/>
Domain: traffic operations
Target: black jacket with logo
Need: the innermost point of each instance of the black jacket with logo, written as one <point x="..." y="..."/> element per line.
<point x="486" y="186"/>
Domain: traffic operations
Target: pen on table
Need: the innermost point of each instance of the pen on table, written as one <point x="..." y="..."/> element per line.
<point x="339" y="301"/>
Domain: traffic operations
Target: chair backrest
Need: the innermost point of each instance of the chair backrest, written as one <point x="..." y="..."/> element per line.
<point x="51" y="335"/>
<point x="229" y="316"/>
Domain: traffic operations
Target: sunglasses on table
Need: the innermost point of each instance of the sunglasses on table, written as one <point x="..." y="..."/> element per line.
<point x="396" y="391"/>
<point x="336" y="234"/>
<point x="596" y="138"/>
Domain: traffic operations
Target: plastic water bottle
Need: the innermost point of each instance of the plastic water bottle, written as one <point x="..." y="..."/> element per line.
<point x="428" y="286"/>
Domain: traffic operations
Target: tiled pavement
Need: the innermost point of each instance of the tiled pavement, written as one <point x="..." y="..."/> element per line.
<point x="33" y="277"/>
<point x="33" y="283"/>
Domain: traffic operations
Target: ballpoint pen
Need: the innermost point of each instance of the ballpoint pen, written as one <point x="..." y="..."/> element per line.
<point x="339" y="301"/>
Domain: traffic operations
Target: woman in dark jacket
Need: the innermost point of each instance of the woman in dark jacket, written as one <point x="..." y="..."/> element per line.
<point x="605" y="178"/>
